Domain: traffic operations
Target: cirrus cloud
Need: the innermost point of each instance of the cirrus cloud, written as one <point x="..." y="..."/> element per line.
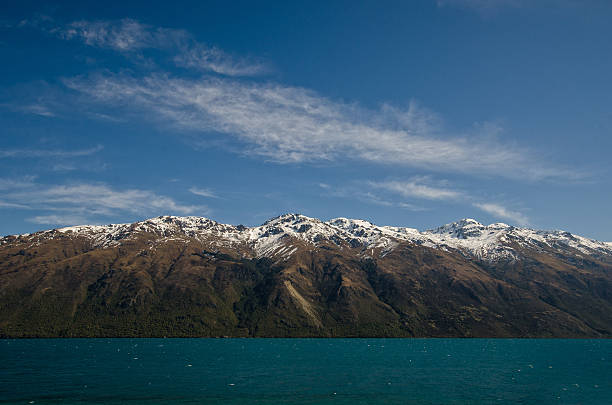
<point x="203" y="192"/>
<point x="425" y="188"/>
<point x="130" y="36"/>
<point x="283" y="123"/>
<point x="42" y="153"/>
<point x="62" y="204"/>
<point x="500" y="211"/>
<point x="288" y="124"/>
<point x="417" y="188"/>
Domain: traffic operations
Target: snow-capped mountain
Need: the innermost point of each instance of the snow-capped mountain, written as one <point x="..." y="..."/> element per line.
<point x="300" y="276"/>
<point x="492" y="242"/>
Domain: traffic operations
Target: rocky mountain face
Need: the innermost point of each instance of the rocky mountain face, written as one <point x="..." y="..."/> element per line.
<point x="298" y="276"/>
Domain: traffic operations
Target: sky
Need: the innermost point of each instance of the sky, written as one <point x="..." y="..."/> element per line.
<point x="411" y="114"/>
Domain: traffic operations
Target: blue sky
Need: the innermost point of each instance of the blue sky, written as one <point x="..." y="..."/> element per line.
<point x="413" y="114"/>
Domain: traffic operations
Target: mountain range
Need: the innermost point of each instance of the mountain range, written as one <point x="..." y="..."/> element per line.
<point x="299" y="276"/>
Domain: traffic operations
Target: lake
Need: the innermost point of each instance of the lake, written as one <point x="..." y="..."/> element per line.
<point x="305" y="371"/>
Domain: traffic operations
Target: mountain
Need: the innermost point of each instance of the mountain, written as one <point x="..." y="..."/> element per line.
<point x="299" y="276"/>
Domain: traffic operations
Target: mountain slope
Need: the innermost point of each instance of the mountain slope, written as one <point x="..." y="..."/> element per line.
<point x="298" y="276"/>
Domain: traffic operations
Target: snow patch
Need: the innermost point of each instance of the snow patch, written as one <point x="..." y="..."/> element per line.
<point x="278" y="236"/>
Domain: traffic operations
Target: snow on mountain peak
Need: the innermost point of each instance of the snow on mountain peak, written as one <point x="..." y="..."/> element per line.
<point x="276" y="236"/>
<point x="290" y="218"/>
<point x="461" y="228"/>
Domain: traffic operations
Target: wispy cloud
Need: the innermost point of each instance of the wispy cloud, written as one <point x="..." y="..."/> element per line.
<point x="500" y="211"/>
<point x="369" y="197"/>
<point x="411" y="207"/>
<point x="129" y="36"/>
<point x="88" y="201"/>
<point x="37" y="98"/>
<point x="416" y="187"/>
<point x="426" y="188"/>
<point x="362" y="192"/>
<point x="37" y="109"/>
<point x="122" y="35"/>
<point x="281" y="123"/>
<point x="42" y="153"/>
<point x="4" y="204"/>
<point x="17" y="183"/>
<point x="291" y="125"/>
<point x="62" y="167"/>
<point x="203" y="192"/>
<point x="100" y="198"/>
<point x="60" y="220"/>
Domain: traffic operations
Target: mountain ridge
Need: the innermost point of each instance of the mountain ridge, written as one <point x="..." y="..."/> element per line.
<point x="300" y="276"/>
<point x="468" y="235"/>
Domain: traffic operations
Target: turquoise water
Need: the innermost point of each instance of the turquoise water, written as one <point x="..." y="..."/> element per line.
<point x="305" y="371"/>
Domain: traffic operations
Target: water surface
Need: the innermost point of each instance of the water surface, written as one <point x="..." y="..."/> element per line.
<point x="305" y="371"/>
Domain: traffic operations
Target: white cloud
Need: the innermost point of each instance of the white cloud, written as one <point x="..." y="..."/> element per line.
<point x="41" y="153"/>
<point x="62" y="167"/>
<point x="502" y="212"/>
<point x="59" y="220"/>
<point x="100" y="198"/>
<point x="130" y="36"/>
<point x="372" y="198"/>
<point x="423" y="187"/>
<point x="411" y="207"/>
<point x="37" y="109"/>
<point x="122" y="35"/>
<point x="201" y="57"/>
<point x="282" y="123"/>
<point x="360" y="191"/>
<point x="203" y="192"/>
<point x="89" y="201"/>
<point x="417" y="188"/>
<point x="17" y="183"/>
<point x="291" y="124"/>
<point x="4" y="204"/>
